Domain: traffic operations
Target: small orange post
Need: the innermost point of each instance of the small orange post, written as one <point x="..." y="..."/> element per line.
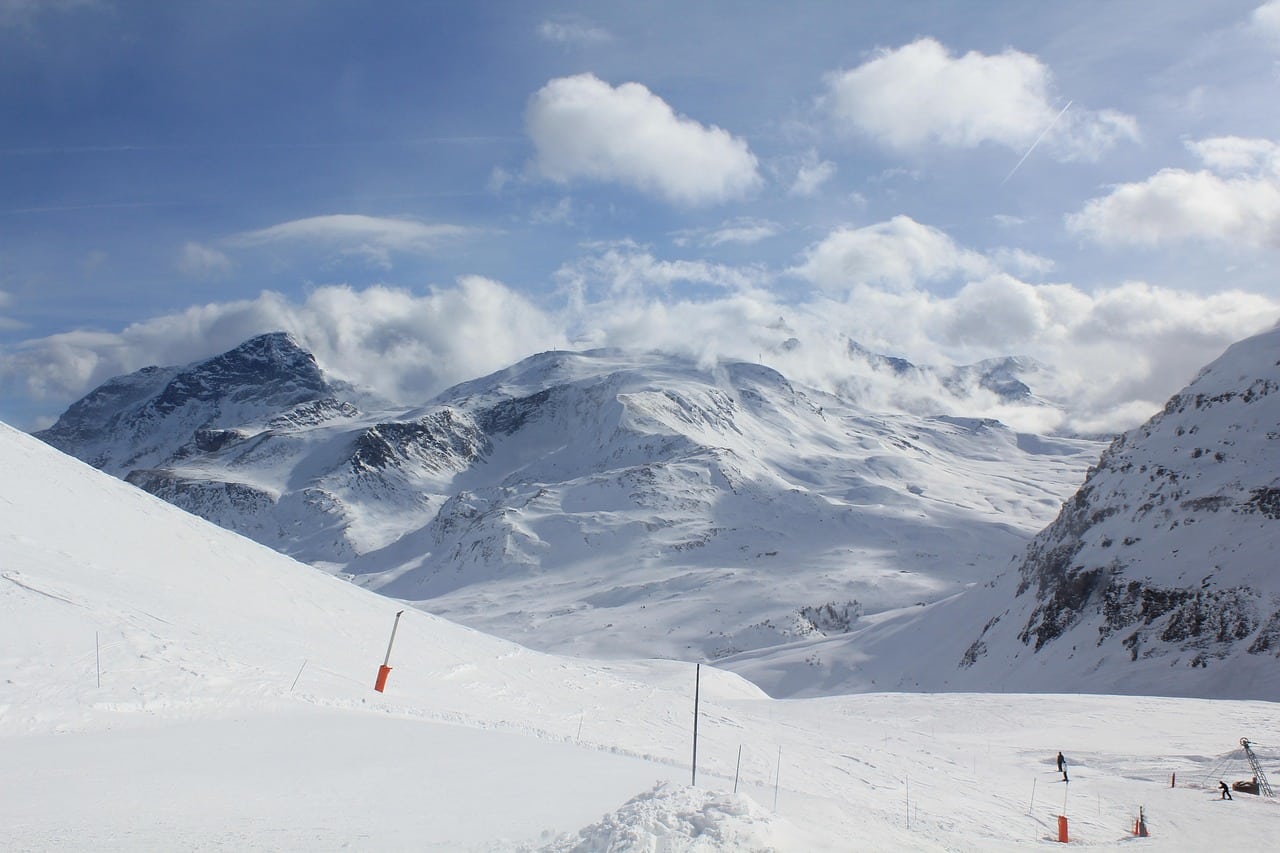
<point x="381" y="683"/>
<point x="1062" y="829"/>
<point x="1140" y="825"/>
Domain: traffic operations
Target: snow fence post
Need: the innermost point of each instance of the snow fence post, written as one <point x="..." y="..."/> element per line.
<point x="697" y="684"/>
<point x="385" y="669"/>
<point x="1062" y="829"/>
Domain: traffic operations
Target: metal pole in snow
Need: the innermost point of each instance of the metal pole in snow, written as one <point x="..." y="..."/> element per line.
<point x="299" y="675"/>
<point x="387" y="661"/>
<point x="737" y="769"/>
<point x="697" y="684"/>
<point x="908" y="802"/>
<point x="1031" y="808"/>
<point x="777" y="779"/>
<point x="385" y="669"/>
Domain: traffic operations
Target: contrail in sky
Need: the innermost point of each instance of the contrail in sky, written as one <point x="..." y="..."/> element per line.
<point x="1037" y="142"/>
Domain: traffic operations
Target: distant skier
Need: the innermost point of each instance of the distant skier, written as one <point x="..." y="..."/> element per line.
<point x="1062" y="767"/>
<point x="1226" y="792"/>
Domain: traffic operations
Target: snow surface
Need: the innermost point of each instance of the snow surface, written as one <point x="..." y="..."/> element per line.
<point x="235" y="710"/>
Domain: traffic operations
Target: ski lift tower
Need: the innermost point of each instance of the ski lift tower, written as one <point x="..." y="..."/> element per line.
<point x="1264" y="787"/>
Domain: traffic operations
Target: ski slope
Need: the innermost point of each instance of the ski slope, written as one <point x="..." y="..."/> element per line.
<point x="165" y="684"/>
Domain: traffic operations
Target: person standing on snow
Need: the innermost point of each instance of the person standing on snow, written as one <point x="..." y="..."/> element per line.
<point x="1062" y="767"/>
<point x="1226" y="792"/>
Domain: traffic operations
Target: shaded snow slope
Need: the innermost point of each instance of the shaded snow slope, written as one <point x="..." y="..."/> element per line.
<point x="603" y="502"/>
<point x="235" y="710"/>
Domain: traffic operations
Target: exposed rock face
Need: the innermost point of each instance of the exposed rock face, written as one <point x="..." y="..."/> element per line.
<point x="1166" y="553"/>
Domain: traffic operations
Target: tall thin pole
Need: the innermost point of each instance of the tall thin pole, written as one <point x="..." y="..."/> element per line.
<point x="777" y="778"/>
<point x="299" y="675"/>
<point x="394" y="625"/>
<point x="697" y="686"/>
<point x="908" y="802"/>
<point x="737" y="770"/>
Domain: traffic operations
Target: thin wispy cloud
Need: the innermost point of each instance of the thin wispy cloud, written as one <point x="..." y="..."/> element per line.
<point x="573" y="33"/>
<point x="374" y="238"/>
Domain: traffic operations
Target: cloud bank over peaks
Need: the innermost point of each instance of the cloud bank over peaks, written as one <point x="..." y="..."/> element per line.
<point x="1234" y="200"/>
<point x="1113" y="354"/>
<point x="583" y="128"/>
<point x="920" y="94"/>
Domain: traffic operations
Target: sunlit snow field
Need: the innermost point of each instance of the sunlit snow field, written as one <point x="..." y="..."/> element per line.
<point x="166" y="685"/>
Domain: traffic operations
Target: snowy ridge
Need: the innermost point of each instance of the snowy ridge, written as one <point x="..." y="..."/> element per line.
<point x="607" y="502"/>
<point x="1163" y="558"/>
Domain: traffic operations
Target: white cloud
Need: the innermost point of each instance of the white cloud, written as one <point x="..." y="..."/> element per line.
<point x="582" y="127"/>
<point x="1236" y="200"/>
<point x="1021" y="261"/>
<point x="200" y="261"/>
<point x="573" y="32"/>
<point x="374" y="238"/>
<point x="920" y="94"/>
<point x="743" y="231"/>
<point x="1266" y="20"/>
<point x="1235" y="154"/>
<point x="811" y="175"/>
<point x="407" y="346"/>
<point x="625" y="269"/>
<point x="1115" y="353"/>
<point x="899" y="253"/>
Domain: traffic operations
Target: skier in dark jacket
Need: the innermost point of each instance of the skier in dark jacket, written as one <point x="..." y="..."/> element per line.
<point x="1226" y="792"/>
<point x="1062" y="767"/>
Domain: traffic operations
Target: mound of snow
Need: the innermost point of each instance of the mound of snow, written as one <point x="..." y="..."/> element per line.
<point x="680" y="818"/>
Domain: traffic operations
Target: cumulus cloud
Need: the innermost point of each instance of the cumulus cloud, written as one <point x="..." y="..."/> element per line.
<point x="921" y="94"/>
<point x="1234" y="200"/>
<point x="573" y="32"/>
<point x="374" y="238"/>
<point x="899" y="254"/>
<point x="581" y="127"/>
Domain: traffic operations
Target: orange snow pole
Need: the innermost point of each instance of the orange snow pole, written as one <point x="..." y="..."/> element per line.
<point x="1062" y="829"/>
<point x="385" y="669"/>
<point x="1140" y="825"/>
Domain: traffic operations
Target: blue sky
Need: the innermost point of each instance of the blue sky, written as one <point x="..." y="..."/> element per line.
<point x="425" y="191"/>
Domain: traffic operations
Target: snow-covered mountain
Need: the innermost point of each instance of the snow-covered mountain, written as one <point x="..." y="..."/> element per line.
<point x="167" y="685"/>
<point x="599" y="502"/>
<point x="1164" y="559"/>
<point x="1156" y="577"/>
